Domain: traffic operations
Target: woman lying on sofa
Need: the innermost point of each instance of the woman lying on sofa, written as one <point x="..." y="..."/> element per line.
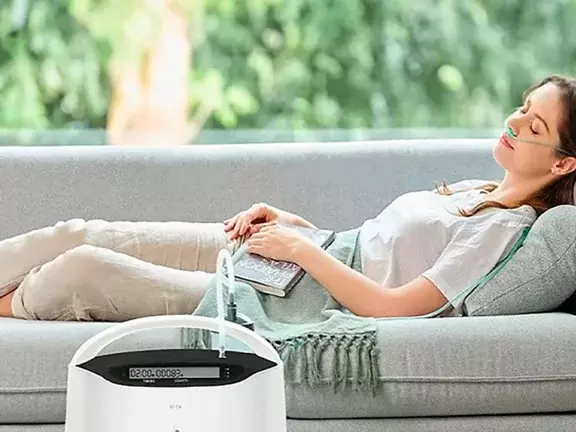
<point x="417" y="254"/>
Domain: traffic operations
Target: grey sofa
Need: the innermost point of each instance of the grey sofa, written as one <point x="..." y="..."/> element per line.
<point x="502" y="373"/>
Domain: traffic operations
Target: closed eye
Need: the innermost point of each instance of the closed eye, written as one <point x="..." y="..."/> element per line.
<point x="524" y="111"/>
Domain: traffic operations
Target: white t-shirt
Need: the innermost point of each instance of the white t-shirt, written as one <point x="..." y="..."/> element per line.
<point x="422" y="234"/>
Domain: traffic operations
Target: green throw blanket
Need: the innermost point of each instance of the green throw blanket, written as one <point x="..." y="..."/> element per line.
<point x="319" y="341"/>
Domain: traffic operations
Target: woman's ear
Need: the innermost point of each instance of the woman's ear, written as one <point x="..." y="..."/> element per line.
<point x="564" y="166"/>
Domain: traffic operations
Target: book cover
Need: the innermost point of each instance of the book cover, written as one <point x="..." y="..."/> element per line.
<point x="273" y="276"/>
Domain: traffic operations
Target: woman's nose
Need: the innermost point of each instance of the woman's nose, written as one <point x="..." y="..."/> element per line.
<point x="515" y="123"/>
<point x="511" y="125"/>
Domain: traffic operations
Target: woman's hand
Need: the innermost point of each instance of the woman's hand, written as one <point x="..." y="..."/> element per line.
<point x="248" y="221"/>
<point x="276" y="242"/>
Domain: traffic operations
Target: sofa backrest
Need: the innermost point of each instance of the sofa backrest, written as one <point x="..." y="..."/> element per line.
<point x="336" y="185"/>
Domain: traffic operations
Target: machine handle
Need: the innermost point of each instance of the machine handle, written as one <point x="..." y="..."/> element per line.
<point x="92" y="347"/>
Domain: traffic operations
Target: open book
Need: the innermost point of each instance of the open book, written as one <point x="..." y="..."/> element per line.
<point x="278" y="277"/>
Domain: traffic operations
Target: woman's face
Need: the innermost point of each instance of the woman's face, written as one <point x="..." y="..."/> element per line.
<point x="536" y="121"/>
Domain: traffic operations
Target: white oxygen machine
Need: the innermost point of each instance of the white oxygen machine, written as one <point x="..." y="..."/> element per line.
<point x="179" y="390"/>
<point x="176" y="390"/>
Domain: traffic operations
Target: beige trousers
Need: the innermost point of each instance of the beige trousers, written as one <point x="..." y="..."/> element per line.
<point x="111" y="271"/>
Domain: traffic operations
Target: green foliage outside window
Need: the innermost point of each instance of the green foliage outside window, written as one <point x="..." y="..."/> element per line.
<point x="297" y="64"/>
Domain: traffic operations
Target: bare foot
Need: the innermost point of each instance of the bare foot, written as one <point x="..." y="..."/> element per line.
<point x="6" y="305"/>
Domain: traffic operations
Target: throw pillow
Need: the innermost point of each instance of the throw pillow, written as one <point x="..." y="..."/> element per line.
<point x="540" y="277"/>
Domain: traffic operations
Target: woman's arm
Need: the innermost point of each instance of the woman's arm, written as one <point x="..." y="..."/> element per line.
<point x="356" y="292"/>
<point x="360" y="294"/>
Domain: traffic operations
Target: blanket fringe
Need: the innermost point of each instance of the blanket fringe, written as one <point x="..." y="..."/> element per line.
<point x="354" y="360"/>
<point x="341" y="361"/>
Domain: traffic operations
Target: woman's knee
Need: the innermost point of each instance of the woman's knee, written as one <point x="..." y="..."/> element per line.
<point x="58" y="290"/>
<point x="79" y="264"/>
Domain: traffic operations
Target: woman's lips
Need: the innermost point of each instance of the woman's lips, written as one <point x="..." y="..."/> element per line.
<point x="506" y="141"/>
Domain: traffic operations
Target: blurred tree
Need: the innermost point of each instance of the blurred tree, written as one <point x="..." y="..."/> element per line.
<point x="121" y="65"/>
<point x="380" y="64"/>
<point x="150" y="91"/>
<point x="274" y="63"/>
<point x="150" y="66"/>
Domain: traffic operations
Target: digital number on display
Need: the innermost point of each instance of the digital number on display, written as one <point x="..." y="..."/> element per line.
<point x="173" y="372"/>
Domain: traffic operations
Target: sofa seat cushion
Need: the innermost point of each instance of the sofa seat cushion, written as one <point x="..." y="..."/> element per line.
<point x="458" y="366"/>
<point x="433" y="367"/>
<point x="35" y="357"/>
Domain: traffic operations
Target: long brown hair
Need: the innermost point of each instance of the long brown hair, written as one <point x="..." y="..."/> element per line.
<point x="560" y="191"/>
